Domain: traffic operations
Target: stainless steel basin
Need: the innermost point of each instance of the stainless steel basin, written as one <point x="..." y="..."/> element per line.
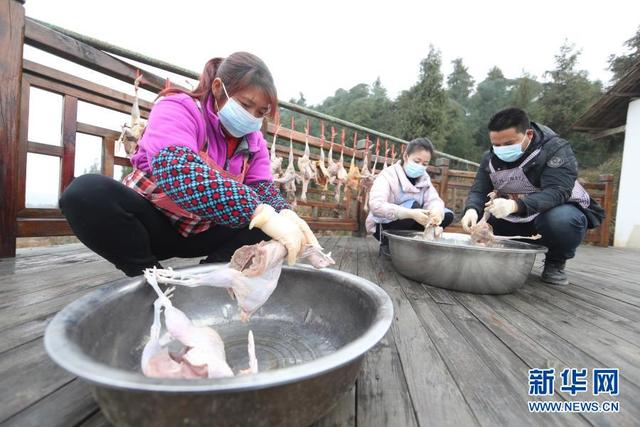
<point x="310" y="338"/>
<point x="454" y="263"/>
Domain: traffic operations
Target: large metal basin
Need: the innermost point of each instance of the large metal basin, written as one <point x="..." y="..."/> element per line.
<point x="310" y="340"/>
<point x="454" y="263"/>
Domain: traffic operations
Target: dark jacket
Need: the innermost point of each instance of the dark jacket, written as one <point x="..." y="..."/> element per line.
<point x="554" y="170"/>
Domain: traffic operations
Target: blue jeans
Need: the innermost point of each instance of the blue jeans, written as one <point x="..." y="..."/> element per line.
<point x="409" y="224"/>
<point x="563" y="228"/>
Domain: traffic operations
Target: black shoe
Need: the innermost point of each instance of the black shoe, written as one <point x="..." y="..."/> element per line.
<point x="554" y="274"/>
<point x="384" y="250"/>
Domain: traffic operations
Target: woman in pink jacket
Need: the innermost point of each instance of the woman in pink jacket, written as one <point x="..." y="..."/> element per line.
<point x="402" y="196"/>
<point x="201" y="175"/>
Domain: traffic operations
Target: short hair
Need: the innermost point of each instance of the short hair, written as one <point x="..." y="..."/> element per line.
<point x="420" y="144"/>
<point x="509" y="118"/>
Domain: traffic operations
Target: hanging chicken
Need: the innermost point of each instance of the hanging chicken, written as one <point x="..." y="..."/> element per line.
<point x="367" y="177"/>
<point x="276" y="162"/>
<point x="305" y="166"/>
<point x="332" y="167"/>
<point x="288" y="178"/>
<point x="386" y="154"/>
<point x="322" y="173"/>
<point x="132" y="132"/>
<point x="353" y="176"/>
<point x="341" y="175"/>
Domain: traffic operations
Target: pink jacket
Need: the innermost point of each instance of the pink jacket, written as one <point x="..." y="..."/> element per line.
<point x="176" y="120"/>
<point x="391" y="188"/>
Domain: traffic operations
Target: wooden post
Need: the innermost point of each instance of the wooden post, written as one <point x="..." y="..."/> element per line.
<point x="607" y="199"/>
<point x="11" y="43"/>
<point x="69" y="125"/>
<point x="443" y="164"/>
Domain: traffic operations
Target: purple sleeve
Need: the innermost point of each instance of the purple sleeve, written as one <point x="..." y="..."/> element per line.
<point x="268" y="193"/>
<point x="195" y="187"/>
<point x="172" y="122"/>
<point x="260" y="165"/>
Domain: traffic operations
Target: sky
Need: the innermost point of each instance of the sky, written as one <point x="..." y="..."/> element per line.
<point x="316" y="48"/>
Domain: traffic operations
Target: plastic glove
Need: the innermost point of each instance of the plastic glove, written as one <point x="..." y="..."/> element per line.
<point x="436" y="216"/>
<point x="304" y="227"/>
<point x="421" y="216"/>
<point x="501" y="208"/>
<point x="469" y="219"/>
<point x="282" y="228"/>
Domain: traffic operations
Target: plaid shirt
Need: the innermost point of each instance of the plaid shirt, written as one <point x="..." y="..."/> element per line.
<point x="185" y="222"/>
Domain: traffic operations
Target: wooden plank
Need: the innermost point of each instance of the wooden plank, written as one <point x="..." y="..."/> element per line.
<point x="69" y="120"/>
<point x="46" y="149"/>
<point x="592" y="314"/>
<point x="121" y="161"/>
<point x="612" y="305"/>
<point x="82" y="95"/>
<point x="95" y="420"/>
<point x="22" y="144"/>
<point x="492" y="399"/>
<point x="73" y="50"/>
<point x="70" y="404"/>
<point x="607" y="348"/>
<point x="43" y="227"/>
<point x="58" y="76"/>
<point x="540" y="348"/>
<point x="505" y="364"/>
<point x="431" y="385"/>
<point x="383" y="397"/>
<point x="40" y="213"/>
<point x="38" y="258"/>
<point x="108" y="149"/>
<point x="344" y="413"/>
<point x="28" y="376"/>
<point x="11" y="40"/>
<point x="97" y="131"/>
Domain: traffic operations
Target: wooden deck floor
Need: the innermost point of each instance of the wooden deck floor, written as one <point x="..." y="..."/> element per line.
<point x="449" y="358"/>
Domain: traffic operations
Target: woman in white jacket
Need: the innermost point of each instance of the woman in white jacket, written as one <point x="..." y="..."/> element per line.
<point x="402" y="196"/>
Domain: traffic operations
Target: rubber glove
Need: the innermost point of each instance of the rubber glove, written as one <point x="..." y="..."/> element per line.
<point x="421" y="216"/>
<point x="304" y="227"/>
<point x="281" y="228"/>
<point x="501" y="208"/>
<point x="469" y="219"/>
<point x="436" y="216"/>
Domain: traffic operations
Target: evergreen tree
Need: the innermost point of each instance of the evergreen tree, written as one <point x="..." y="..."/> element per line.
<point x="621" y="64"/>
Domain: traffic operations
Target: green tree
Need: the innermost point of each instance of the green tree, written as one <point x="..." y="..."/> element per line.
<point x="492" y="94"/>
<point x="460" y="83"/>
<point x="565" y="97"/>
<point x="525" y="92"/>
<point x="621" y="64"/>
<point x="422" y="110"/>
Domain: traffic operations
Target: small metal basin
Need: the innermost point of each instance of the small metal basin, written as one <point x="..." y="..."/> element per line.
<point x="452" y="262"/>
<point x="310" y="336"/>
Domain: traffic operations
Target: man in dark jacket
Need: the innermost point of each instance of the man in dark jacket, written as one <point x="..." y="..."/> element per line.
<point x="534" y="174"/>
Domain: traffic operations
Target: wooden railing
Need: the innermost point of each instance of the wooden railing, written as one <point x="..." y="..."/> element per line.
<point x="19" y="76"/>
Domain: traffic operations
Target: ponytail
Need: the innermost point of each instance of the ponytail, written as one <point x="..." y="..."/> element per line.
<point x="238" y="71"/>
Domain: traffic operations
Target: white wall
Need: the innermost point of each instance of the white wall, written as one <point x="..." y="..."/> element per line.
<point x="628" y="215"/>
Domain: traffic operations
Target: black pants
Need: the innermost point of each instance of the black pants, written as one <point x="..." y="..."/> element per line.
<point x="128" y="231"/>
<point x="562" y="228"/>
<point x="408" y="224"/>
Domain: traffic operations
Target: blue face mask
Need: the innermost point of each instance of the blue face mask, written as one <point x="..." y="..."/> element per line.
<point x="509" y="153"/>
<point x="414" y="170"/>
<point x="236" y="120"/>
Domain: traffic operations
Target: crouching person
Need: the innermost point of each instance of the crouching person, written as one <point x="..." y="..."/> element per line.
<point x="534" y="172"/>
<point x="403" y="198"/>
